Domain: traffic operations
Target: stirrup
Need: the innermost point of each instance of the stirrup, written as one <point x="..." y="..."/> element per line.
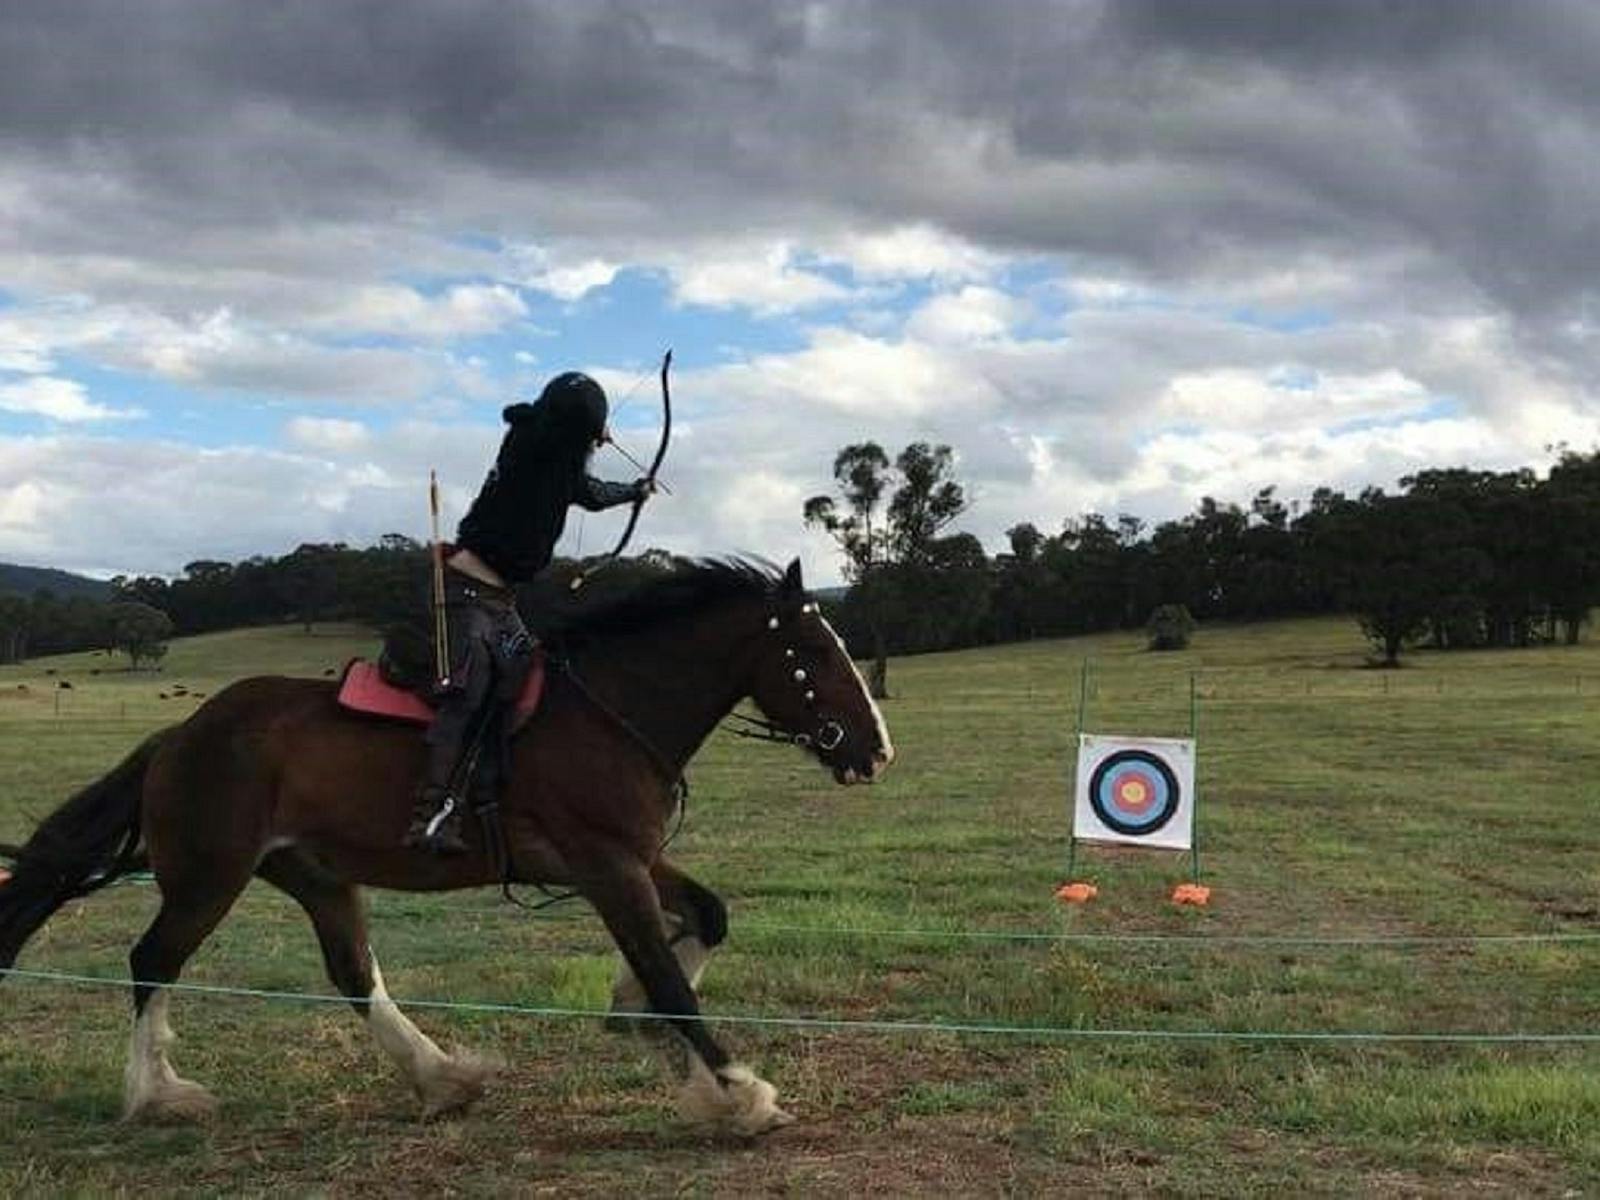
<point x="440" y="833"/>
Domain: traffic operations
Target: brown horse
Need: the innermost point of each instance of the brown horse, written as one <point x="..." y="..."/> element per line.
<point x="272" y="778"/>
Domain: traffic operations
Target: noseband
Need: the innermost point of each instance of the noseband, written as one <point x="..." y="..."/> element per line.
<point x="828" y="733"/>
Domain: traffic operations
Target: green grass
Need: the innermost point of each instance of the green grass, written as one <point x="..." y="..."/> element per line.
<point x="1454" y="797"/>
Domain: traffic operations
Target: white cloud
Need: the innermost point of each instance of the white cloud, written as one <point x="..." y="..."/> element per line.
<point x="57" y="399"/>
<point x="911" y="252"/>
<point x="22" y="506"/>
<point x="576" y="281"/>
<point x="1290" y="397"/>
<point x="567" y="272"/>
<point x="973" y="314"/>
<point x="465" y="310"/>
<point x="331" y="434"/>
<point x="875" y="381"/>
<point x="22" y="349"/>
<point x="763" y="279"/>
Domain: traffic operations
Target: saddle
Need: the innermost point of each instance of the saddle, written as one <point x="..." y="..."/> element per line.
<point x="365" y="689"/>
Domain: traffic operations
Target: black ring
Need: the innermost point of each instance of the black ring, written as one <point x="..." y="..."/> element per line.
<point x="1144" y="758"/>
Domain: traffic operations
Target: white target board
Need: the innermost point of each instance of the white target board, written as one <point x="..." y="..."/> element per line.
<point x="1135" y="791"/>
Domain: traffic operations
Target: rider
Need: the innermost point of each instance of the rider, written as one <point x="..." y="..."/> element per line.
<point x="506" y="538"/>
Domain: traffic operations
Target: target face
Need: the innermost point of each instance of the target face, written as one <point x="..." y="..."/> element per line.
<point x="1135" y="790"/>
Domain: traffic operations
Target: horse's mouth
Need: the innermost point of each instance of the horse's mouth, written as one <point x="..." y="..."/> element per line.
<point x="847" y="775"/>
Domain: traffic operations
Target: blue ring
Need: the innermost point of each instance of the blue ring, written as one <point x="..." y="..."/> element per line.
<point x="1167" y="802"/>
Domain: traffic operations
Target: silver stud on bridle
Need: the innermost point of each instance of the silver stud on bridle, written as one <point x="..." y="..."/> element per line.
<point x="829" y="735"/>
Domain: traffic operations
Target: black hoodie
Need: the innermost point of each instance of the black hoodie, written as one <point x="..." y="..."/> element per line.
<point x="541" y="469"/>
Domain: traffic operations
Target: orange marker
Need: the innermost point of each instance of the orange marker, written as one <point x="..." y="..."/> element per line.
<point x="1076" y="893"/>
<point x="1191" y="893"/>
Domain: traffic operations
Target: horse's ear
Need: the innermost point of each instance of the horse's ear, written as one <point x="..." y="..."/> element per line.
<point x="791" y="578"/>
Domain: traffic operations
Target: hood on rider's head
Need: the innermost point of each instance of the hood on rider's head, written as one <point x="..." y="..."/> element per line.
<point x="572" y="408"/>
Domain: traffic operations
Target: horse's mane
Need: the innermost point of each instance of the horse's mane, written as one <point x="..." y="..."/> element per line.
<point x="688" y="584"/>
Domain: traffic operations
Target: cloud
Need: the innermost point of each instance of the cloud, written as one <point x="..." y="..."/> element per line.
<point x="764" y="279"/>
<point x="536" y="267"/>
<point x="327" y="433"/>
<point x="973" y="314"/>
<point x="465" y="310"/>
<point x="64" y="400"/>
<point x="1114" y="252"/>
<point x="912" y="252"/>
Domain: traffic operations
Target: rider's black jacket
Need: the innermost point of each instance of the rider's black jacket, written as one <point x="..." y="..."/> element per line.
<point x="519" y="514"/>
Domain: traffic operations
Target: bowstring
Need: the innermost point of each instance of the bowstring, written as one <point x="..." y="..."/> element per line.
<point x="621" y="404"/>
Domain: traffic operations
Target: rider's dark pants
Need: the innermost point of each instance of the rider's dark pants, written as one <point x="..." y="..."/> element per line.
<point x="490" y="651"/>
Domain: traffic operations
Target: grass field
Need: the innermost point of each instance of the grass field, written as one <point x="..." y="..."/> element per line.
<point x="1456" y="797"/>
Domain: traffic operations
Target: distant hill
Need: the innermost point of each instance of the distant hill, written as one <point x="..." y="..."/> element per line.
<point x="28" y="580"/>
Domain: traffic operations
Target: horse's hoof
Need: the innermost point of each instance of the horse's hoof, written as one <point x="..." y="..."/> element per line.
<point x="176" y="1101"/>
<point x="455" y="1082"/>
<point x="733" y="1099"/>
<point x="777" y="1119"/>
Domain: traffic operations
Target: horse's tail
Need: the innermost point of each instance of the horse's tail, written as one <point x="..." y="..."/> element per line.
<point x="90" y="841"/>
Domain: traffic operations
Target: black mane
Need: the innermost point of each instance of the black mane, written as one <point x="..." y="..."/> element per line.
<point x="689" y="584"/>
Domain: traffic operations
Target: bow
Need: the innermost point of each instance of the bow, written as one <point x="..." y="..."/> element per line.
<point x="582" y="577"/>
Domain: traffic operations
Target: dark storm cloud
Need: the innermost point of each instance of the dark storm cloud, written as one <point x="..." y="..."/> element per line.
<point x="1167" y="139"/>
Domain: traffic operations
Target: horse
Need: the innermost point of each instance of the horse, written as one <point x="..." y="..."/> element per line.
<point x="272" y="779"/>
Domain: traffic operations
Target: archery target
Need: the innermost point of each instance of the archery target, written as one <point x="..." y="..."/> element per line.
<point x="1137" y="791"/>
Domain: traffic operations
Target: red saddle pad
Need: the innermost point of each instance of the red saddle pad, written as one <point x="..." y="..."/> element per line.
<point x="364" y="690"/>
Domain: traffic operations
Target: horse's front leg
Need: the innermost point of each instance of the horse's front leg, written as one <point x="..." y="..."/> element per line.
<point x="695" y="922"/>
<point x="718" y="1091"/>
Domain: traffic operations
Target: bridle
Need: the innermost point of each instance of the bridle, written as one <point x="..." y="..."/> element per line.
<point x="828" y="734"/>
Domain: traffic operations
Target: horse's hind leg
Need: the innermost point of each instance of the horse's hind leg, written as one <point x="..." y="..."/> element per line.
<point x="443" y="1082"/>
<point x="718" y="1091"/>
<point x="151" y="1088"/>
<point x="695" y="922"/>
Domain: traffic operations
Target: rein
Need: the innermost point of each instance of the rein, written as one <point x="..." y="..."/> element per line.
<point x="758" y="729"/>
<point x="677" y="781"/>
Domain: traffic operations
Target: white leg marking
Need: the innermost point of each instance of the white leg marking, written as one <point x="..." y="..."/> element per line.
<point x="734" y="1098"/>
<point x="443" y="1082"/>
<point x="151" y="1088"/>
<point x="887" y="750"/>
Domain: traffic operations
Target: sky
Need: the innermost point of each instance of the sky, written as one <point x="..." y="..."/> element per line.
<point x="262" y="266"/>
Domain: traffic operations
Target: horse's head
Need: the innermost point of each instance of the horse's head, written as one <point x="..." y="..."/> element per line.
<point x="810" y="690"/>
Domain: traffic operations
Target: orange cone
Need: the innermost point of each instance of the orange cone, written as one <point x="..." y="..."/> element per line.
<point x="1076" y="893"/>
<point x="1191" y="893"/>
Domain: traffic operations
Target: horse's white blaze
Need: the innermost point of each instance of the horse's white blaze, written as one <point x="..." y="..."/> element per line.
<point x="887" y="747"/>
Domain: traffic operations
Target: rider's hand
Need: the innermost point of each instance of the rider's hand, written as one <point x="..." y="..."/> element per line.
<point x="645" y="488"/>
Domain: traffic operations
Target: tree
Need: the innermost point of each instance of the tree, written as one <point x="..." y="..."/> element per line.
<point x="897" y="561"/>
<point x="862" y="473"/>
<point x="139" y="631"/>
<point x="13" y="628"/>
<point x="1397" y="587"/>
<point x="926" y="501"/>
<point x="308" y="580"/>
<point x="1169" y="627"/>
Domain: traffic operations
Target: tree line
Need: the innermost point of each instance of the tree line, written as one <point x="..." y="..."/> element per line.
<point x="1452" y="558"/>
<point x="316" y="582"/>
